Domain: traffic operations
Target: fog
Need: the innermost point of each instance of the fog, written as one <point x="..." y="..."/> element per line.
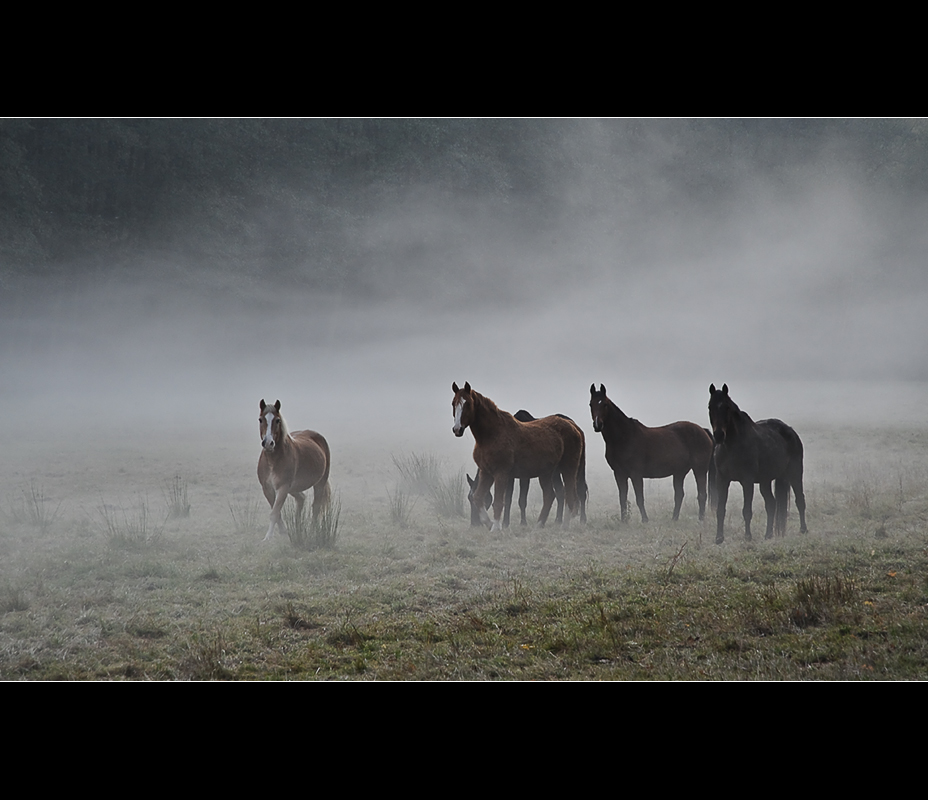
<point x="804" y="289"/>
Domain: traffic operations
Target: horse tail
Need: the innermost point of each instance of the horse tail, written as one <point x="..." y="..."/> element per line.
<point x="322" y="491"/>
<point x="574" y="459"/>
<point x="710" y="476"/>
<point x="782" y="500"/>
<point x="583" y="491"/>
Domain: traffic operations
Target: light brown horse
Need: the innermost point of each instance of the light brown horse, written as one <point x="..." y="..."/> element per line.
<point x="291" y="463"/>
<point x="506" y="449"/>
<point x="636" y="451"/>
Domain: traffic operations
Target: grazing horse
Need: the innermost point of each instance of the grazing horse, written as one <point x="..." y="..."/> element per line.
<point x="291" y="463"/>
<point x="506" y="449"/>
<point x="583" y="491"/>
<point x="475" y="520"/>
<point x="755" y="452"/>
<point x="635" y="451"/>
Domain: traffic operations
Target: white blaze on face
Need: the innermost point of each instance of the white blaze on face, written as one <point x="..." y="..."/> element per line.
<point x="458" y="412"/>
<point x="268" y="440"/>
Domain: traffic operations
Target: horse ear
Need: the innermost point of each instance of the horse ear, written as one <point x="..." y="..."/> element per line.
<point x="602" y="389"/>
<point x="454" y="387"/>
<point x="263" y="404"/>
<point x="592" y="388"/>
<point x="725" y="388"/>
<point x="466" y="386"/>
<point x="277" y="405"/>
<point x="711" y="388"/>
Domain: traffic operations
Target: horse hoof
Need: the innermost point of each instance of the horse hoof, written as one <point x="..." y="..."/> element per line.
<point x="720" y="540"/>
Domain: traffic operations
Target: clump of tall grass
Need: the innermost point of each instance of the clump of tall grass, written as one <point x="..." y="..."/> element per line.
<point x="13" y="599"/>
<point x="205" y="659"/>
<point x="418" y="473"/>
<point x="821" y="598"/>
<point x="133" y="526"/>
<point x="175" y="495"/>
<point x="448" y="495"/>
<point x="33" y="508"/>
<point x="321" y="532"/>
<point x="401" y="506"/>
<point x="244" y="515"/>
<point x="422" y="475"/>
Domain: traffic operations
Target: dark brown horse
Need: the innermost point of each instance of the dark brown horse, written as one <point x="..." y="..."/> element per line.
<point x="291" y="464"/>
<point x="755" y="452"/>
<point x="583" y="491"/>
<point x="637" y="452"/>
<point x="506" y="449"/>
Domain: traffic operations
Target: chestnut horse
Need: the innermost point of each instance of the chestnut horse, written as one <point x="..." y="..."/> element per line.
<point x="635" y="451"/>
<point x="583" y="491"/>
<point x="507" y="449"/>
<point x="755" y="452"/>
<point x="291" y="463"/>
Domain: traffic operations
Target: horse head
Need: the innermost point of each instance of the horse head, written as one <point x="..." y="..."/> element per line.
<point x="462" y="407"/>
<point x="599" y="406"/>
<point x="271" y="425"/>
<point x="723" y="412"/>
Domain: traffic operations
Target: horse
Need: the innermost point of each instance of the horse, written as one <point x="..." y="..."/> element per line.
<point x="636" y="451"/>
<point x="755" y="452"/>
<point x="291" y="463"/>
<point x="506" y="449"/>
<point x="475" y="520"/>
<point x="583" y="491"/>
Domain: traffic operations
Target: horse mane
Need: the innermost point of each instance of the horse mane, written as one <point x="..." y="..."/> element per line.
<point x="487" y="406"/>
<point x="284" y="429"/>
<point x="622" y="415"/>
<point x="739" y="419"/>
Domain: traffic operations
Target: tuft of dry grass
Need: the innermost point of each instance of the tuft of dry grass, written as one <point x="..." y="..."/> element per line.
<point x="131" y="527"/>
<point x="33" y="508"/>
<point x="245" y="515"/>
<point x="320" y="533"/>
<point x="175" y="496"/>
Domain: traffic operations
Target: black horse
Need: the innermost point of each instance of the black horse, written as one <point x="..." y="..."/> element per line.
<point x="764" y="452"/>
<point x="582" y="489"/>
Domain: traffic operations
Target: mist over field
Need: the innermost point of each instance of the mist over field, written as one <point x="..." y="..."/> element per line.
<point x="355" y="283"/>
<point x="158" y="278"/>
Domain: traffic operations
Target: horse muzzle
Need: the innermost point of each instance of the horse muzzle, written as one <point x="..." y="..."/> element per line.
<point x="268" y="445"/>
<point x="458" y="431"/>
<point x="598" y="425"/>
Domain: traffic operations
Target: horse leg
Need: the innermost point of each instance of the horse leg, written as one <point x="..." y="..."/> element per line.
<point x="678" y="494"/>
<point x="770" y="504"/>
<point x="638" y="484"/>
<point x="509" y="491"/>
<point x="796" y="483"/>
<point x="524" y="484"/>
<point x="781" y="491"/>
<point x="747" y="511"/>
<point x="300" y="500"/>
<point x="503" y="482"/>
<point x="547" y="491"/>
<point x="478" y="498"/>
<point x="721" y="499"/>
<point x="278" y="504"/>
<point x="558" y="483"/>
<point x="622" y="483"/>
<point x="322" y="496"/>
<point x="701" y="493"/>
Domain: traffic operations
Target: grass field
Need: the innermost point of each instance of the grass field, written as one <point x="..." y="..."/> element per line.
<point x="144" y="560"/>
